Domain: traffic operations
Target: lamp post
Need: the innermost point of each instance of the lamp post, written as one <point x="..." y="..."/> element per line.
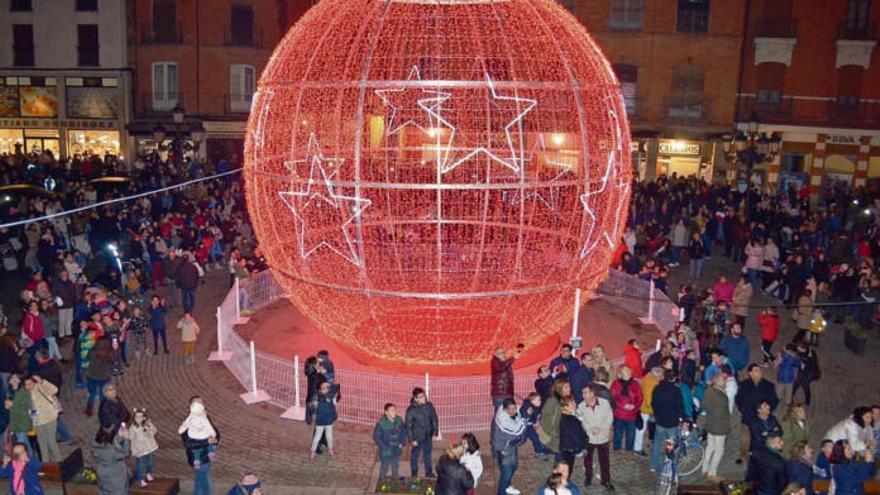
<point x="748" y="149"/>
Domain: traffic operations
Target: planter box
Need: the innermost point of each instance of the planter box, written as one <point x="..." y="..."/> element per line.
<point x="406" y="486"/>
<point x="78" y="489"/>
<point x="713" y="489"/>
<point x="160" y="486"/>
<point x="854" y="342"/>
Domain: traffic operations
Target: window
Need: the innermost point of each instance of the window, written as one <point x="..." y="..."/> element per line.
<point x="242" y="84"/>
<point x="21" y="6"/>
<point x="88" y="49"/>
<point x="686" y="97"/>
<point x="771" y="80"/>
<point x="165" y="21"/>
<point x="87" y="5"/>
<point x="242" y="25"/>
<point x="23" y="44"/>
<point x="626" y="14"/>
<point x="857" y="15"/>
<point x="628" y="75"/>
<point x="693" y="16"/>
<point x="849" y="85"/>
<point x="165" y="95"/>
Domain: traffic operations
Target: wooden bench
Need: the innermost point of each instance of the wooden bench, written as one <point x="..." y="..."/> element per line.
<point x="56" y="475"/>
<point x="871" y="487"/>
<point x="159" y="486"/>
<point x="713" y="489"/>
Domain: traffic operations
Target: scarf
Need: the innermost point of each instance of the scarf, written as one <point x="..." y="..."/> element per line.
<point x="625" y="391"/>
<point x="18" y="477"/>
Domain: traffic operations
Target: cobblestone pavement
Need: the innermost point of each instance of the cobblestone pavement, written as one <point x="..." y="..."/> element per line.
<point x="254" y="437"/>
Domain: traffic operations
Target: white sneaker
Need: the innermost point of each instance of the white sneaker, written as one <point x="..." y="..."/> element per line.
<point x="511" y="491"/>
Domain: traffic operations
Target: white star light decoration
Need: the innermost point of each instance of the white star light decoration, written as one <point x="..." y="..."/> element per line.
<point x="433" y="107"/>
<point x="612" y="176"/>
<point x="523" y="195"/>
<point x="318" y="193"/>
<point x="257" y="133"/>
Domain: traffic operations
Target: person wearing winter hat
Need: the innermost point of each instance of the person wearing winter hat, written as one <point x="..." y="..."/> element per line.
<point x="249" y="485"/>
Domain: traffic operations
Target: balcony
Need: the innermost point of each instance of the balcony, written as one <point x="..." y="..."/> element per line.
<point x="776" y="28"/>
<point x="767" y="111"/>
<point x="690" y="112"/>
<point x="239" y="103"/>
<point x="857" y="31"/>
<point x="161" y="35"/>
<point x="853" y="113"/>
<point x="255" y="40"/>
<point x="161" y="101"/>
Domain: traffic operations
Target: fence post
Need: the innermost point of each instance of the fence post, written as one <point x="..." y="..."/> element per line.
<point x="219" y="354"/>
<point x="296" y="412"/>
<point x="575" y="339"/>
<point x="649" y="319"/>
<point x="237" y="300"/>
<point x="255" y="395"/>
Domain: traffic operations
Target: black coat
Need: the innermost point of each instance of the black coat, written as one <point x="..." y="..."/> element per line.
<point x="668" y="404"/>
<point x="452" y="477"/>
<point x="188" y="276"/>
<point x="769" y="469"/>
<point x="750" y="395"/>
<point x="800" y="472"/>
<point x="581" y="377"/>
<point x="759" y="430"/>
<point x="572" y="437"/>
<point x="421" y="422"/>
<point x="113" y="413"/>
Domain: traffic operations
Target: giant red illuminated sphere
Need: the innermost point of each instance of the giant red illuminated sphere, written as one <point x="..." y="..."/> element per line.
<point x="431" y="179"/>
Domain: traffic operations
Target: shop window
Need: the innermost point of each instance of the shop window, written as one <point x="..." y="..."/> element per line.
<point x="628" y="75"/>
<point x="686" y="96"/>
<point x="165" y="21"/>
<point x="23" y="45"/>
<point x="165" y="93"/>
<point x="88" y="49"/>
<point x="693" y="16"/>
<point x="771" y="79"/>
<point x="794" y="162"/>
<point x="21" y="6"/>
<point x="87" y="5"/>
<point x="242" y="84"/>
<point x="626" y="14"/>
<point x="242" y="25"/>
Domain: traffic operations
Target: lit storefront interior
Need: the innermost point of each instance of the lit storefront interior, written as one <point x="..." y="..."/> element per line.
<point x="9" y="138"/>
<point x="88" y="142"/>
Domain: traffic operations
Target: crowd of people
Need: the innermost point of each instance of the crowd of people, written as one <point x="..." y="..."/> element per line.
<point x="101" y="282"/>
<point x="105" y="282"/>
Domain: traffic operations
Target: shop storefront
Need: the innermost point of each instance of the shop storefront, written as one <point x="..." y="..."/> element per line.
<point x="63" y="115"/>
<point x="683" y="158"/>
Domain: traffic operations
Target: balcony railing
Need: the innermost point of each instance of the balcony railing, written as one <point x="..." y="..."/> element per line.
<point x="769" y="27"/>
<point x="150" y="35"/>
<point x="860" y="31"/>
<point x="767" y="111"/>
<point x="255" y="41"/>
<point x="687" y="112"/>
<point x="789" y="110"/>
<point x="866" y="113"/>
<point x="239" y="103"/>
<point x="162" y="101"/>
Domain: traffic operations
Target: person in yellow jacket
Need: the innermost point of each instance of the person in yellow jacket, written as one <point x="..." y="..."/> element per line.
<point x="649" y="382"/>
<point x="45" y="416"/>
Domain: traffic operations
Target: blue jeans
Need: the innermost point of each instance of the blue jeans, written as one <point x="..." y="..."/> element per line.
<point x="675" y="254"/>
<point x="539" y="447"/>
<point x="496" y="403"/>
<point x="147" y="463"/>
<point x="22" y="437"/>
<point x="695" y="270"/>
<point x="159" y="332"/>
<point x="202" y="485"/>
<point x="189" y="299"/>
<point x="622" y="427"/>
<point x="661" y="434"/>
<point x="506" y="475"/>
<point x="96" y="388"/>
<point x="754" y="278"/>
<point x="424" y="448"/>
<point x="61" y="429"/>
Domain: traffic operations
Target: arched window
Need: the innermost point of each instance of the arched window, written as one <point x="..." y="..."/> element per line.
<point x="628" y="75"/>
<point x="626" y="14"/>
<point x="686" y="95"/>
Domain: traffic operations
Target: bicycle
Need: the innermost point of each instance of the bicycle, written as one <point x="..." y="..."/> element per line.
<point x="683" y="455"/>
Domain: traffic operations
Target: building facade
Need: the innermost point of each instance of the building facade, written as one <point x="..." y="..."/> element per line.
<point x="64" y="80"/>
<point x="811" y="73"/>
<point x="678" y="62"/>
<point x="196" y="65"/>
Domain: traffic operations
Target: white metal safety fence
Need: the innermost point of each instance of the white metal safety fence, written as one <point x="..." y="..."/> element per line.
<point x="463" y="404"/>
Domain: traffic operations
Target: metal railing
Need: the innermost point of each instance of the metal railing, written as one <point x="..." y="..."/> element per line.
<point x="463" y="404"/>
<point x="857" y="31"/>
<point x="152" y="34"/>
<point x="255" y="40"/>
<point x="158" y="101"/>
<point x="239" y="103"/>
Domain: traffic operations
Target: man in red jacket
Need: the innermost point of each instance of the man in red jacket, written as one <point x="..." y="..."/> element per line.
<point x="632" y="357"/>
<point x="32" y="328"/>
<point x="627" y="395"/>
<point x="768" y="320"/>
<point x="502" y="375"/>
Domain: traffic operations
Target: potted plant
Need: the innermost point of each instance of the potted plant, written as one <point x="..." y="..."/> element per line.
<point x="855" y="338"/>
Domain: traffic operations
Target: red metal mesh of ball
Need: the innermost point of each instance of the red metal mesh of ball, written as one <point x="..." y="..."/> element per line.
<point x="432" y="179"/>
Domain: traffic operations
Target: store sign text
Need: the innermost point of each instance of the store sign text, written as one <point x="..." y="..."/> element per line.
<point x="841" y="139"/>
<point x="679" y="148"/>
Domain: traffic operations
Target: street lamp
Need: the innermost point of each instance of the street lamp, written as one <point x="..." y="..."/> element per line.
<point x="748" y="149"/>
